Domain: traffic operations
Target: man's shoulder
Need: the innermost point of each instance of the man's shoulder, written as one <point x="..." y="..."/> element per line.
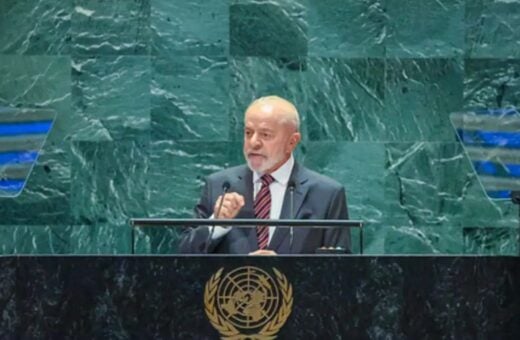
<point x="228" y="173"/>
<point x="323" y="181"/>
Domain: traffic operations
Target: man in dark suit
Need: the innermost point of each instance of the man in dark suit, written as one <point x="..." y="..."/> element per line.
<point x="260" y="189"/>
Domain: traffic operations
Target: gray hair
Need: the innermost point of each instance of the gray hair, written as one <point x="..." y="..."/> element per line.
<point x="290" y="113"/>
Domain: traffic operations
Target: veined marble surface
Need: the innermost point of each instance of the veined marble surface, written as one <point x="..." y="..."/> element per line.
<point x="149" y="96"/>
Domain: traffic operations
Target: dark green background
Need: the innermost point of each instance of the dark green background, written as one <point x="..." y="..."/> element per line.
<point x="150" y="96"/>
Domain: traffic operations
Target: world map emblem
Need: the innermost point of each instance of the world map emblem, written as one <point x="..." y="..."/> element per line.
<point x="248" y="302"/>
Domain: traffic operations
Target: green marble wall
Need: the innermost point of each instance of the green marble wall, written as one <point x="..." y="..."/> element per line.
<point x="150" y="95"/>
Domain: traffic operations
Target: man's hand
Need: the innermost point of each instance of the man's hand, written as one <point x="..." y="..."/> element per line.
<point x="232" y="204"/>
<point x="263" y="252"/>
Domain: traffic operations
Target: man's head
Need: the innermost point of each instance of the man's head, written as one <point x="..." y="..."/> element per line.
<point x="271" y="133"/>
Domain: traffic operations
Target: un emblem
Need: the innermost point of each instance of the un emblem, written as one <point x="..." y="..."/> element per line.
<point x="248" y="303"/>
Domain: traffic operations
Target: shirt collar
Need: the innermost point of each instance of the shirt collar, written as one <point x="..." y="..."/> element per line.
<point x="281" y="175"/>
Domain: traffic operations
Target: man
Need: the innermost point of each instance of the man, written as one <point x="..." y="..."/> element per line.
<point x="260" y="189"/>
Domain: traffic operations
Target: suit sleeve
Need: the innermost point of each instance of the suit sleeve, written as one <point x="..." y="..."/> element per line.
<point x="193" y="239"/>
<point x="337" y="210"/>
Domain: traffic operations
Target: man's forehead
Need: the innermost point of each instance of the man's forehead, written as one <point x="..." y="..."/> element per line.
<point x="267" y="108"/>
<point x="261" y="122"/>
<point x="262" y="118"/>
<point x="266" y="111"/>
<point x="269" y="113"/>
<point x="262" y="109"/>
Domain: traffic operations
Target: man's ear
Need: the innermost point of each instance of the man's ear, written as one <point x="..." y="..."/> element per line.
<point x="294" y="140"/>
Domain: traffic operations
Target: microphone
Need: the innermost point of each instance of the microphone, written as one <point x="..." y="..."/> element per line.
<point x="291" y="185"/>
<point x="225" y="188"/>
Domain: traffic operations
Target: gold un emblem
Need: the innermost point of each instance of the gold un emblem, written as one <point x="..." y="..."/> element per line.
<point x="248" y="303"/>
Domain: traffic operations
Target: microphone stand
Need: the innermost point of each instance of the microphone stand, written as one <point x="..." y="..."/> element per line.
<point x="291" y="230"/>
<point x="225" y="188"/>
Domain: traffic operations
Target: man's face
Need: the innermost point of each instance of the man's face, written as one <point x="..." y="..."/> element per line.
<point x="268" y="141"/>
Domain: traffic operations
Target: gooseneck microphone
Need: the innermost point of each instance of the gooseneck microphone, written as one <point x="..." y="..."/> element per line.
<point x="225" y="188"/>
<point x="291" y="186"/>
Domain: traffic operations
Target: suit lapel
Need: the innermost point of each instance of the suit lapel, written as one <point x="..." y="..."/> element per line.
<point x="300" y="192"/>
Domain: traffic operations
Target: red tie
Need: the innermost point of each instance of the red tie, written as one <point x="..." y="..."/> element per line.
<point x="263" y="210"/>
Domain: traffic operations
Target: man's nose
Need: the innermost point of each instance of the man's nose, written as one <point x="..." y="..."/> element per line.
<point x="255" y="141"/>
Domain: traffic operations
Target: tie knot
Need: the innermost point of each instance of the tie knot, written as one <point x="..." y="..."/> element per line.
<point x="267" y="179"/>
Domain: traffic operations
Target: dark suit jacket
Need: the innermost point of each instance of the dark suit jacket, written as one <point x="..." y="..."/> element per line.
<point x="315" y="197"/>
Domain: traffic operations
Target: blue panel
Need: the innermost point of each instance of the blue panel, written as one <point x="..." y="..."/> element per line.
<point x="11" y="185"/>
<point x="513" y="169"/>
<point x="499" y="194"/>
<point x="22" y="134"/>
<point x="18" y="157"/>
<point x="13" y="129"/>
<point x="487" y="138"/>
<point x="485" y="168"/>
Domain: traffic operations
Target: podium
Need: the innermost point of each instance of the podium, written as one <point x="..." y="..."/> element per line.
<point x="319" y="297"/>
<point x="252" y="223"/>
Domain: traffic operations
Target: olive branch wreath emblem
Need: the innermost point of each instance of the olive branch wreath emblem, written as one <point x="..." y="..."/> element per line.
<point x="227" y="330"/>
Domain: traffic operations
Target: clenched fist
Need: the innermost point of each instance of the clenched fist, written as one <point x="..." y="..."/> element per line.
<point x="231" y="205"/>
